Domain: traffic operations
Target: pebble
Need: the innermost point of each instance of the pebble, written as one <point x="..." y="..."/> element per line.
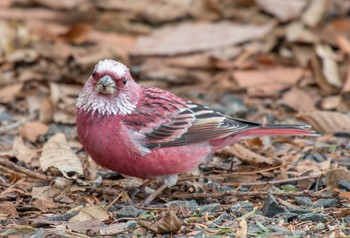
<point x="326" y="202"/>
<point x="271" y="207"/>
<point x="191" y="204"/>
<point x="315" y="217"/>
<point x="129" y="211"/>
<point x="344" y="184"/>
<point x="220" y="219"/>
<point x="210" y="208"/>
<point x="304" y="201"/>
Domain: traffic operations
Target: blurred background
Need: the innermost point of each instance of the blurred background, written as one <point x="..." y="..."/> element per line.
<point x="279" y="61"/>
<point x="263" y="58"/>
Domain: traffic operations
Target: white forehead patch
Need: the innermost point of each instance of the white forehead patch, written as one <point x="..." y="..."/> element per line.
<point x="111" y="66"/>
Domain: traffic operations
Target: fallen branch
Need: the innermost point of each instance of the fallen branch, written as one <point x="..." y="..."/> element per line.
<point x="14" y="167"/>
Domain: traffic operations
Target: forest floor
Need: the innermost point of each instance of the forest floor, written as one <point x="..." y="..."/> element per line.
<point x="265" y="60"/>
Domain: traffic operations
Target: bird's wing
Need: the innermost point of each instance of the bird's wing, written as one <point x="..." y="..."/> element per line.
<point x="165" y="120"/>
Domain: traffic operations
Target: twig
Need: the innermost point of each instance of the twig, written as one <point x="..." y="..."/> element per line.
<point x="273" y="182"/>
<point x="116" y="199"/>
<point x="242" y="194"/>
<point x="16" y="124"/>
<point x="12" y="166"/>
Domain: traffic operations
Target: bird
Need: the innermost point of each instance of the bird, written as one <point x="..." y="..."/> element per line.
<point x="150" y="133"/>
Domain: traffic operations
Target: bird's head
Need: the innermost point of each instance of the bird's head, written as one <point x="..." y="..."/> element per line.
<point x="110" y="90"/>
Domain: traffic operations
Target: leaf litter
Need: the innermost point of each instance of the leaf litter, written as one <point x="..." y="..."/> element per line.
<point x="249" y="59"/>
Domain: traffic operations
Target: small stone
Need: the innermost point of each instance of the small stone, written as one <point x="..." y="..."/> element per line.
<point x="271" y="207"/>
<point x="248" y="206"/>
<point x="129" y="211"/>
<point x="315" y="217"/>
<point x="300" y="211"/>
<point x="210" y="208"/>
<point x="253" y="228"/>
<point x="131" y="224"/>
<point x="279" y="229"/>
<point x="304" y="201"/>
<point x="192" y="204"/>
<point x="200" y="234"/>
<point x="327" y="202"/>
<point x="221" y="218"/>
<point x="344" y="184"/>
<point x="347" y="219"/>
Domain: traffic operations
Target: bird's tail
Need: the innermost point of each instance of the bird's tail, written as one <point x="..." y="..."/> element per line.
<point x="280" y="130"/>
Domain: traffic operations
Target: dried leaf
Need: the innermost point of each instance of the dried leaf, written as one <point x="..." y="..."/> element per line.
<point x="258" y="78"/>
<point x="330" y="67"/>
<point x="7" y="210"/>
<point x="246" y="155"/>
<point x="9" y="93"/>
<point x="299" y="100"/>
<point x="44" y="205"/>
<point x="91" y="213"/>
<point x="327" y="122"/>
<point x="315" y="12"/>
<point x="31" y="130"/>
<point x="57" y="154"/>
<point x="77" y="34"/>
<point x="285" y="10"/>
<point x="297" y="32"/>
<point x="267" y="82"/>
<point x="313" y="167"/>
<point x="194" y="37"/>
<point x="331" y="102"/>
<point x="168" y="223"/>
<point x="42" y="193"/>
<point x="334" y="175"/>
<point x="346" y="87"/>
<point x="242" y="230"/>
<point x="21" y="151"/>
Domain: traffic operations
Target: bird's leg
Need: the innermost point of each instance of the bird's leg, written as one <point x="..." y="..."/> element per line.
<point x="151" y="197"/>
<point x="140" y="188"/>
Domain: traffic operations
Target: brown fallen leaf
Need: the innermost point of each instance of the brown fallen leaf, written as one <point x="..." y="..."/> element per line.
<point x="299" y="100"/>
<point x="297" y="32"/>
<point x="91" y="213"/>
<point x="344" y="45"/>
<point x="21" y="151"/>
<point x="77" y="34"/>
<point x="258" y="78"/>
<point x="330" y="66"/>
<point x="44" y="205"/>
<point x="42" y="193"/>
<point x="31" y="130"/>
<point x="194" y="37"/>
<point x="331" y="102"/>
<point x="242" y="230"/>
<point x="334" y="175"/>
<point x="285" y="10"/>
<point x="326" y="121"/>
<point x="8" y="210"/>
<point x="310" y="167"/>
<point x="10" y="92"/>
<point x="315" y="12"/>
<point x="56" y="154"/>
<point x="167" y="224"/>
<point x="246" y="155"/>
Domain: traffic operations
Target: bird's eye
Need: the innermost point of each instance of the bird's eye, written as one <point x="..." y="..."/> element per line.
<point x="93" y="74"/>
<point x="124" y="82"/>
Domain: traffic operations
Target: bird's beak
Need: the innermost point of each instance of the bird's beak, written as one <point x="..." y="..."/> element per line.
<point x="106" y="85"/>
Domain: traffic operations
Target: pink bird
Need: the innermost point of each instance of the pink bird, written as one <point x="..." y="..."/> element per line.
<point x="150" y="133"/>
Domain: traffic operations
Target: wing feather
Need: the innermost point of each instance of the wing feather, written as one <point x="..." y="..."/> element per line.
<point x="166" y="120"/>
